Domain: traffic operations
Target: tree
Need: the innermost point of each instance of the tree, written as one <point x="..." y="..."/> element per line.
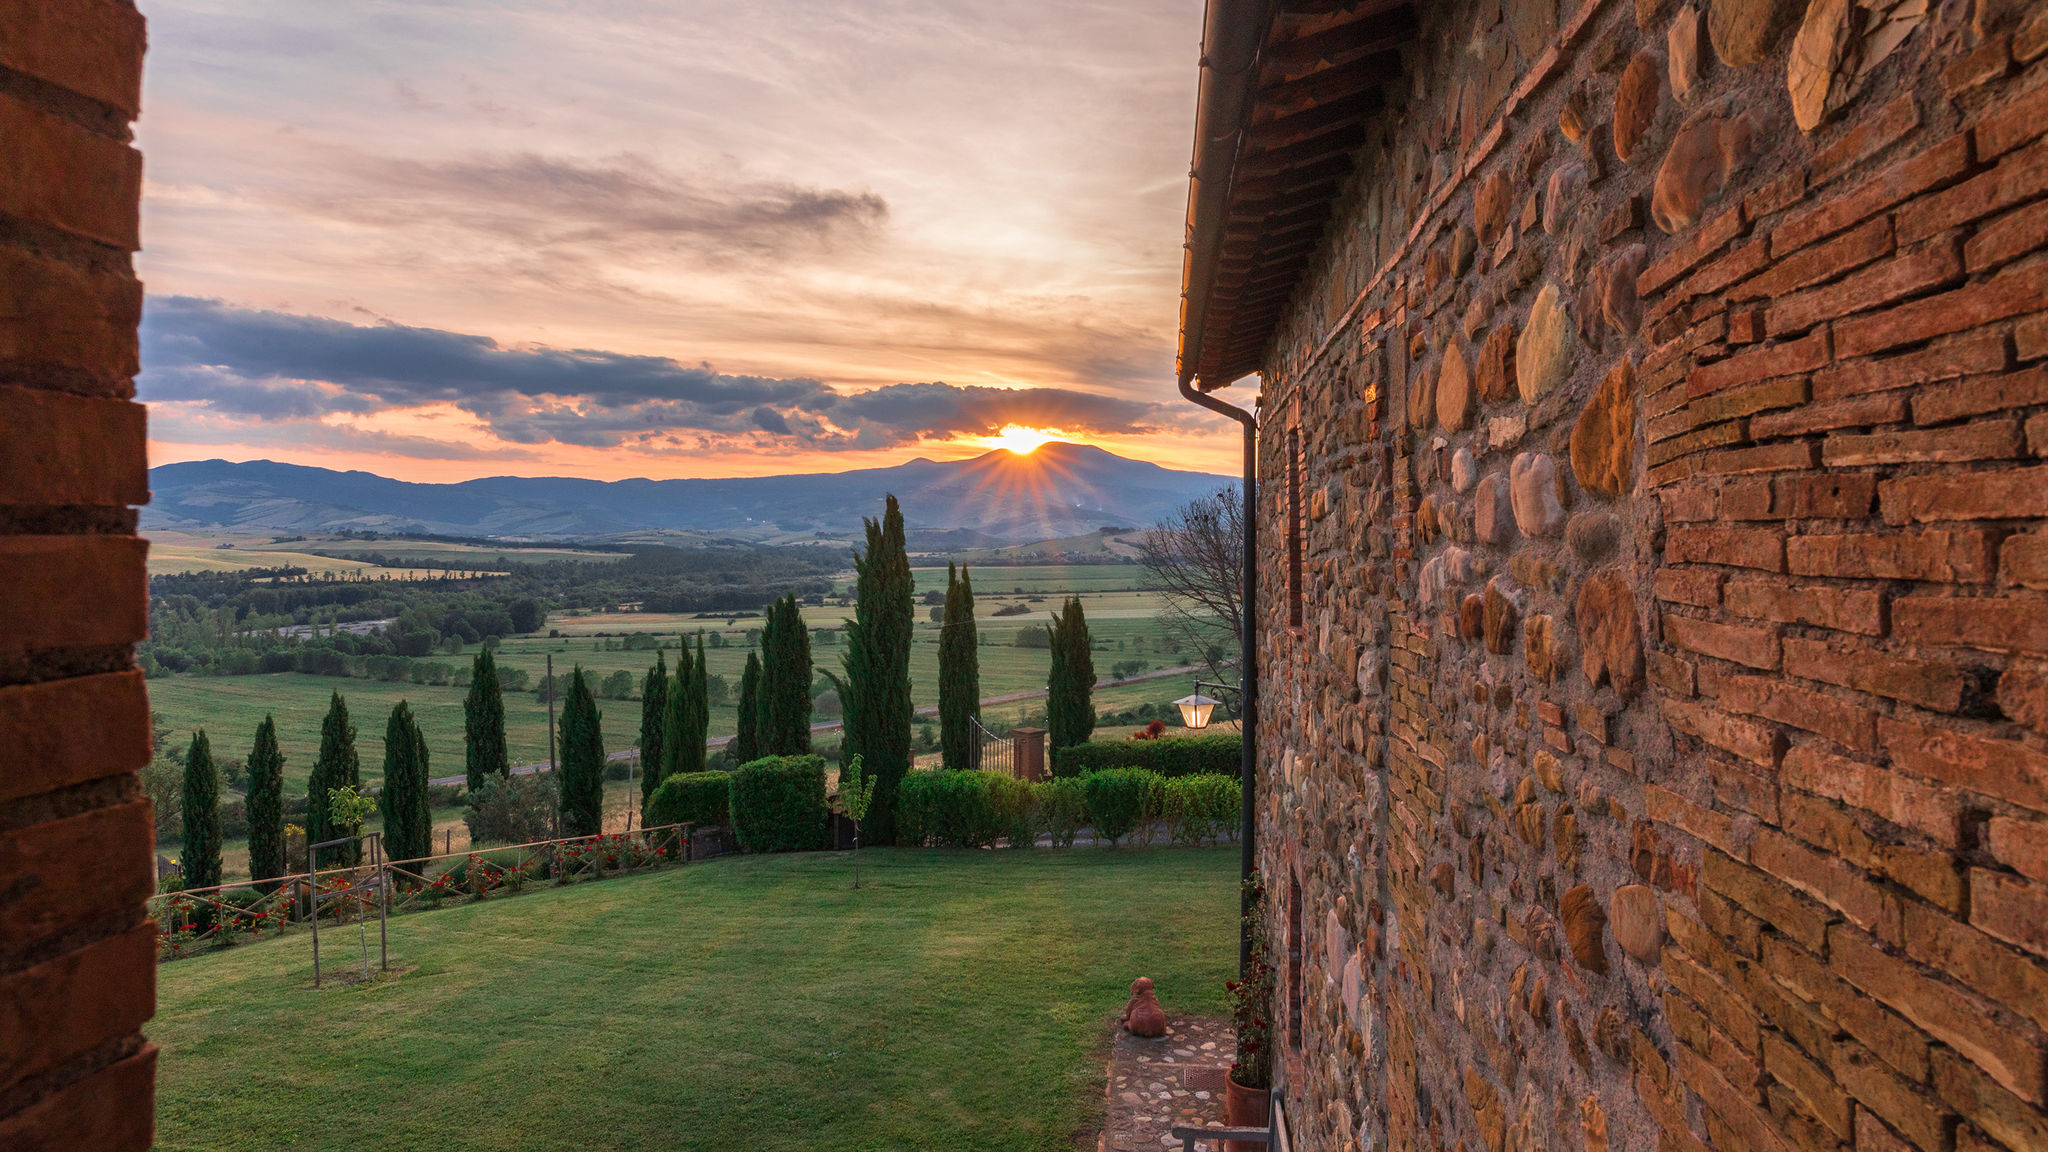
<point x="1195" y="556"/>
<point x="337" y="767"/>
<point x="265" y="807"/>
<point x="527" y="615"/>
<point x="483" y="725"/>
<point x="582" y="772"/>
<point x="675" y="715"/>
<point x="746" y="745"/>
<point x="653" y="705"/>
<point x="784" y="707"/>
<point x="856" y="796"/>
<point x="408" y="823"/>
<point x="696" y="712"/>
<point x="200" y="861"/>
<point x="876" y="693"/>
<point x="1070" y="695"/>
<point x="959" y="676"/>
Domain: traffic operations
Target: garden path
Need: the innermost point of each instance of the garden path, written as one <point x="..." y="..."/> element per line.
<point x="1158" y="1083"/>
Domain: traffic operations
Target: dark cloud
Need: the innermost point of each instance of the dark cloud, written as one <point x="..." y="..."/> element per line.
<point x="244" y="365"/>
<point x="627" y="200"/>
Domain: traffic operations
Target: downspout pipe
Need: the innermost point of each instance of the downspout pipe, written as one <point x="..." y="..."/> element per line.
<point x="1247" y="660"/>
<point x="1232" y="31"/>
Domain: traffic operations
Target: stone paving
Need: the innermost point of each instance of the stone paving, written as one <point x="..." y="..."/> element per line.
<point x="1174" y="1079"/>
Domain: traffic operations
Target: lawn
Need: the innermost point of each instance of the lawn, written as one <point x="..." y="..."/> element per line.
<point x="958" y="1001"/>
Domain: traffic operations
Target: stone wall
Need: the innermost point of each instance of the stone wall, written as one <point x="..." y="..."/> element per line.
<point x="1663" y="754"/>
<point x="77" y="956"/>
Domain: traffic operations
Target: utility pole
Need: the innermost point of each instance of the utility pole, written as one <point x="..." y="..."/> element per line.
<point x="551" y="740"/>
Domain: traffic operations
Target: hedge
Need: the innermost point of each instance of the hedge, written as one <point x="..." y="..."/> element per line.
<point x="1205" y="807"/>
<point x="1059" y="809"/>
<point x="691" y="798"/>
<point x="778" y="804"/>
<point x="1212" y="752"/>
<point x="1123" y="800"/>
<point x="953" y="809"/>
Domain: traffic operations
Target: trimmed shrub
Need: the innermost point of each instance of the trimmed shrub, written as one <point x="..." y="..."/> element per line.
<point x="1216" y="752"/>
<point x="1199" y="808"/>
<point x="778" y="804"/>
<point x="691" y="798"/>
<point x="1060" y="808"/>
<point x="964" y="809"/>
<point x="1122" y="800"/>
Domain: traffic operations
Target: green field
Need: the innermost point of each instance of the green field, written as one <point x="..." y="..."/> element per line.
<point x="174" y="552"/>
<point x="1125" y="624"/>
<point x="958" y="1001"/>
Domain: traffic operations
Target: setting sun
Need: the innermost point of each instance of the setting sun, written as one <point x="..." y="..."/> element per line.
<point x="1019" y="439"/>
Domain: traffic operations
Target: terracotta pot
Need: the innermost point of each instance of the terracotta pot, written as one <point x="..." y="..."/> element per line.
<point x="1243" y="1108"/>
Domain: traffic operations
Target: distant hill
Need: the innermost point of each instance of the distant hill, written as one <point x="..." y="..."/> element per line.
<point x="1060" y="490"/>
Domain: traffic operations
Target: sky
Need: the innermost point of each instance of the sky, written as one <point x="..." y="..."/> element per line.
<point x="440" y="239"/>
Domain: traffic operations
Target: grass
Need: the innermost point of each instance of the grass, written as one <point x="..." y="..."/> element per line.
<point x="957" y="1001"/>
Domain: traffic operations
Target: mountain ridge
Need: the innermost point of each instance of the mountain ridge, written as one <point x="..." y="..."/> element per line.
<point x="1061" y="489"/>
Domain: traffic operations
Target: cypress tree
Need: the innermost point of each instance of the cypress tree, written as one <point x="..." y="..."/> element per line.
<point x="1070" y="696"/>
<point x="878" y="708"/>
<point x="337" y="767"/>
<point x="785" y="704"/>
<point x="201" y="859"/>
<point x="696" y="712"/>
<point x="746" y="745"/>
<point x="675" y="714"/>
<point x="483" y="725"/>
<point x="408" y="823"/>
<point x="581" y="778"/>
<point x="959" y="675"/>
<point x="653" y="700"/>
<point x="265" y="806"/>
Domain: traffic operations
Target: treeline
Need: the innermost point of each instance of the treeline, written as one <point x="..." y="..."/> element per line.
<point x="241" y="623"/>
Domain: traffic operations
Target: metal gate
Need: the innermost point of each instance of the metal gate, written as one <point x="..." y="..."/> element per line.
<point x="993" y="753"/>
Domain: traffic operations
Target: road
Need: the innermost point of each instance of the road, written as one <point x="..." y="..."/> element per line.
<point x="717" y="742"/>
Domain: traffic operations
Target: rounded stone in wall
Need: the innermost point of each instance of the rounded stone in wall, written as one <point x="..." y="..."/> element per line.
<point x="1744" y="30"/>
<point x="1421" y="399"/>
<point x="1637" y="921"/>
<point x="1490" y="208"/>
<point x="1610" y="637"/>
<point x="1493" y="516"/>
<point x="1585" y="928"/>
<point x="1463" y="470"/>
<point x="1603" y="440"/>
<point x="1818" y="60"/>
<point x="1543" y="352"/>
<point x="1636" y="100"/>
<point x="1592" y="536"/>
<point x="1497" y="366"/>
<point x="1564" y="197"/>
<point x="1682" y="46"/>
<point x="1454" y="390"/>
<point x="1702" y="159"/>
<point x="1532" y="488"/>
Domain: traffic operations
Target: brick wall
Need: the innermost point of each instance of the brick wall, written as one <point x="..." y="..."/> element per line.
<point x="77" y="963"/>
<point x="1663" y="751"/>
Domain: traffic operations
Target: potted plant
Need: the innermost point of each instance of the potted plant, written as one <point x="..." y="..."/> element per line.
<point x="1248" y="1089"/>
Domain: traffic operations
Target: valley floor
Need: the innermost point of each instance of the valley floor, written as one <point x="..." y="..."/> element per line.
<point x="957" y="1000"/>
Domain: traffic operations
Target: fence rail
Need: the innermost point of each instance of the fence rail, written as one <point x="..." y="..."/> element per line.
<point x="189" y="920"/>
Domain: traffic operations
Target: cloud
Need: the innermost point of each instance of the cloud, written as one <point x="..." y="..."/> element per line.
<point x="247" y="367"/>
<point x="626" y="201"/>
